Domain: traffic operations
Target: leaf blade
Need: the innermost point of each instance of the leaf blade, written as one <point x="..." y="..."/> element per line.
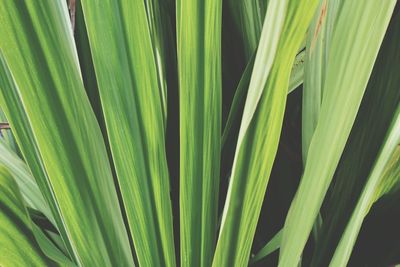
<point x="40" y="53"/>
<point x="199" y="71"/>
<point x="134" y="112"/>
<point x="339" y="107"/>
<point x="18" y="245"/>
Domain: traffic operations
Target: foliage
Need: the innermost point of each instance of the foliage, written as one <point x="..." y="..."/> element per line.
<point x="198" y="132"/>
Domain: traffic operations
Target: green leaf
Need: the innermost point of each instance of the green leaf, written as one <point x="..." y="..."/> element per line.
<point x="316" y="60"/>
<point x="248" y="17"/>
<point x="270" y="247"/>
<point x="358" y="34"/>
<point x="49" y="249"/>
<point x="232" y="125"/>
<point x="390" y="180"/>
<point x="314" y="75"/>
<point x="374" y="116"/>
<point x="6" y="134"/>
<point x="284" y="28"/>
<point x="200" y="93"/>
<point x="132" y="100"/>
<point x="161" y="36"/>
<point x="25" y="138"/>
<point x="86" y="63"/>
<point x="233" y="122"/>
<point x="26" y="183"/>
<point x="297" y="73"/>
<point x="41" y="55"/>
<point x="369" y="193"/>
<point x="32" y="198"/>
<point x="18" y="245"/>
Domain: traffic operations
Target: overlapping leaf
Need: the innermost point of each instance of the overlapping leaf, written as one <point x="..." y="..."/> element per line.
<point x="17" y="242"/>
<point x="40" y="52"/>
<point x="26" y="183"/>
<point x="316" y="61"/>
<point x="358" y="33"/>
<point x="248" y="17"/>
<point x="373" y="119"/>
<point x="24" y="137"/>
<point x="132" y="102"/>
<point x="371" y="191"/>
<point x="284" y="28"/>
<point x="5" y="134"/>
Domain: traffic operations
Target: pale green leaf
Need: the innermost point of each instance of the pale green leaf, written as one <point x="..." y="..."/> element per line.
<point x="390" y="180"/>
<point x="233" y="122"/>
<point x="358" y="34"/>
<point x="374" y="116"/>
<point x="270" y="247"/>
<point x="368" y="195"/>
<point x="285" y="27"/>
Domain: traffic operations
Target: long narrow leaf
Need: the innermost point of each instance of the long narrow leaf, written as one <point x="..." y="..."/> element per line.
<point x="199" y="68"/>
<point x="270" y="247"/>
<point x="362" y="147"/>
<point x="40" y="52"/>
<point x="392" y="140"/>
<point x="24" y="136"/>
<point x="359" y="31"/>
<point x="132" y="101"/>
<point x="248" y="16"/>
<point x="6" y="134"/>
<point x="316" y="61"/>
<point x="313" y="80"/>
<point x="49" y="249"/>
<point x="26" y="183"/>
<point x="233" y="122"/>
<point x="284" y="27"/>
<point x="17" y="243"/>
